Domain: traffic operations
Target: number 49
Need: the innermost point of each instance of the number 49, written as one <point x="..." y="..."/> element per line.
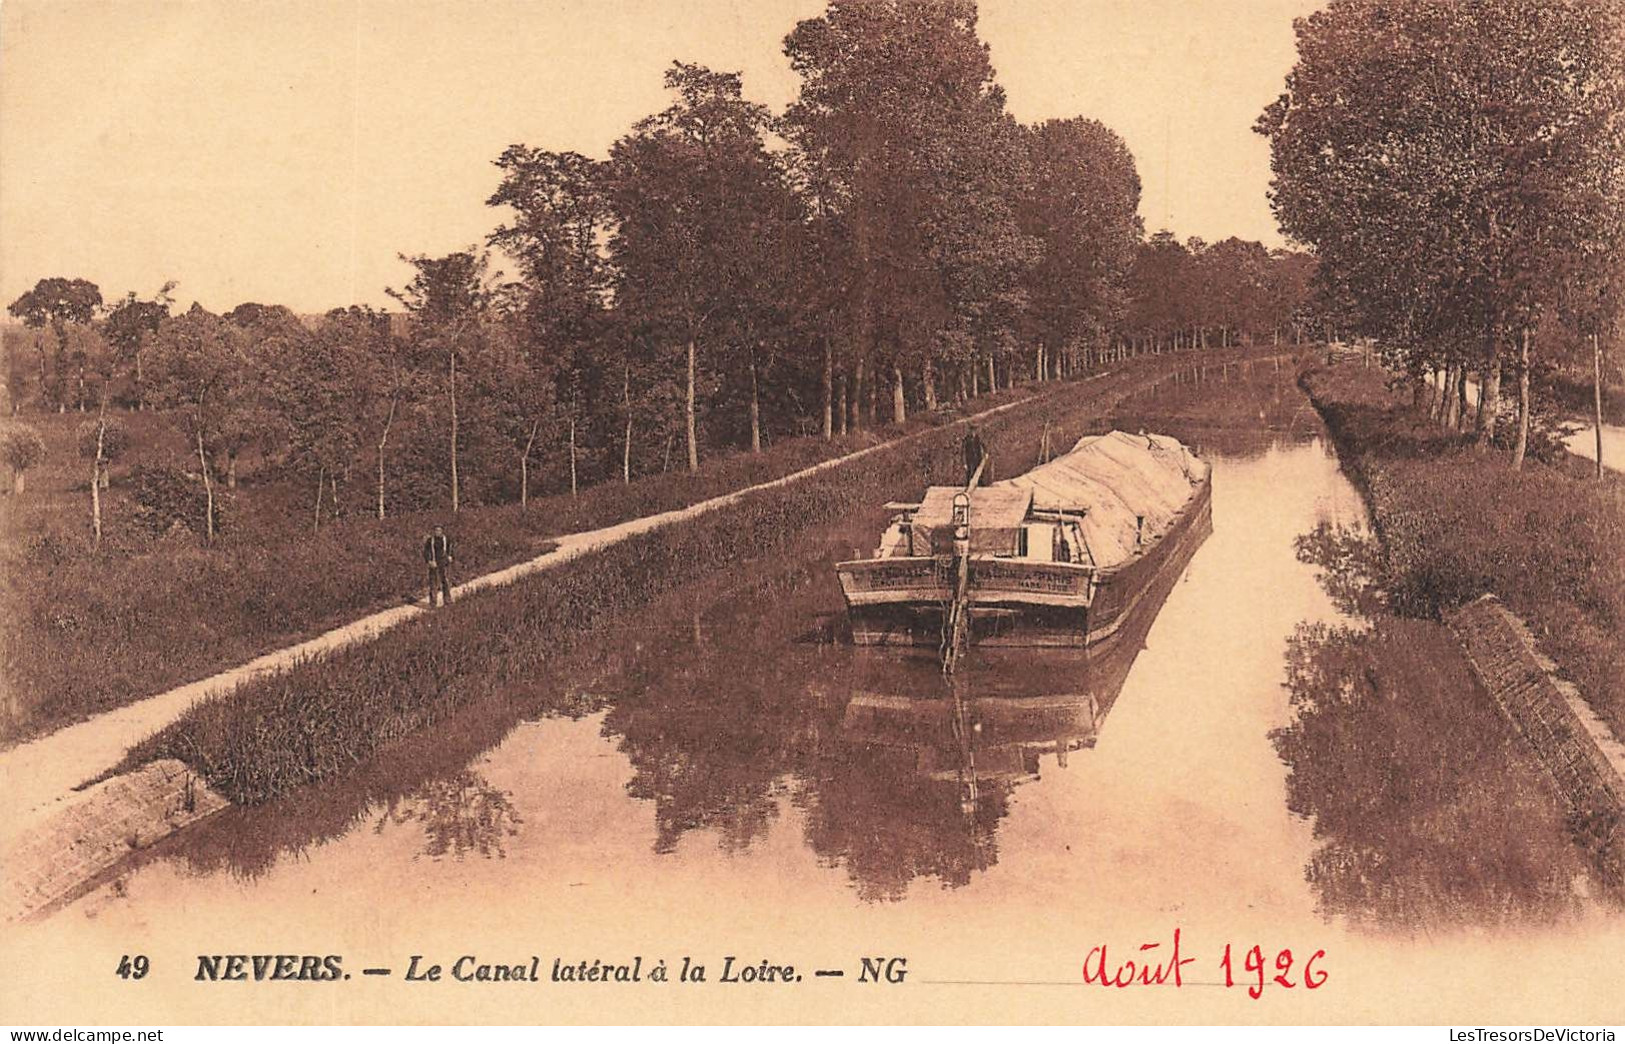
<point x="133" y="967"/>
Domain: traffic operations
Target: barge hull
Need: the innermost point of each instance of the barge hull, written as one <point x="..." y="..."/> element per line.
<point x="1062" y="610"/>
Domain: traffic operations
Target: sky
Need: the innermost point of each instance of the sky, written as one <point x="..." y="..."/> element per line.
<point x="287" y="152"/>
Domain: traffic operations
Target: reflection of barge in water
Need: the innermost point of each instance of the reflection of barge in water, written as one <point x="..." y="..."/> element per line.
<point x="1060" y="556"/>
<point x="992" y="723"/>
<point x="967" y="739"/>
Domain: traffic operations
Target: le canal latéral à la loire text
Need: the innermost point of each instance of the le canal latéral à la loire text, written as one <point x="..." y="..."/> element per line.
<point x="726" y="970"/>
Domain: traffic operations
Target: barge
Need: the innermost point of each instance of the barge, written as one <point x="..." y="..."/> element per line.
<point x="1060" y="556"/>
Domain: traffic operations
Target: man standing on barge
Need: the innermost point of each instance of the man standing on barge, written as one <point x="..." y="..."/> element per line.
<point x="975" y="452"/>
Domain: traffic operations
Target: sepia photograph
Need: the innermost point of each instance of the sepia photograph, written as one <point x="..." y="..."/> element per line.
<point x="812" y="512"/>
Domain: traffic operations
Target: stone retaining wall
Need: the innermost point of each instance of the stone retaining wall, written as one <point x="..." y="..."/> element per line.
<point x="68" y="844"/>
<point x="1576" y="747"/>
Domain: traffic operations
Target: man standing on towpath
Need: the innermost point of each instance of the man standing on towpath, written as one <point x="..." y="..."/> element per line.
<point x="437" y="555"/>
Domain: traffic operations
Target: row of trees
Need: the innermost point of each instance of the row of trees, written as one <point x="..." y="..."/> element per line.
<point x="893" y="240"/>
<point x="1195" y="295"/>
<point x="1458" y="167"/>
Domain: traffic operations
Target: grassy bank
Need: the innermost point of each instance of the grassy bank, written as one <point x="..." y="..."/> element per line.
<point x="1456" y="522"/>
<point x="321" y="719"/>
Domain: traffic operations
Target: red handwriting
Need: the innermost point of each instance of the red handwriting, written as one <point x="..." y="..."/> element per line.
<point x="1256" y="965"/>
<point x="1131" y="974"/>
<point x="1151" y="966"/>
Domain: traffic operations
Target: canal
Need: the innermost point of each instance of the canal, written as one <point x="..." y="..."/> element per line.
<point x="1282" y="765"/>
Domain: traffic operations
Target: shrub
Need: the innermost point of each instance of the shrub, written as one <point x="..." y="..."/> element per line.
<point x="115" y="439"/>
<point x="167" y="498"/>
<point x="21" y="447"/>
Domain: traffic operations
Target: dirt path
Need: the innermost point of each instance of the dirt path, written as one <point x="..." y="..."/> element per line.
<point x="40" y="774"/>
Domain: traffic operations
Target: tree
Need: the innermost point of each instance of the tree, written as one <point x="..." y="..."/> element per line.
<point x="200" y="368"/>
<point x="513" y="378"/>
<point x="130" y="325"/>
<point x="974" y="292"/>
<point x="91" y="359"/>
<point x="314" y="384"/>
<point x="1236" y="275"/>
<point x="101" y="441"/>
<point x="58" y="302"/>
<point x="561" y="214"/>
<point x="1082" y="203"/>
<point x="900" y="119"/>
<point x="379" y="383"/>
<point x="562" y="218"/>
<point x="265" y="321"/>
<point x="21" y="447"/>
<point x="1443" y="158"/>
<point x="447" y="299"/>
<point x="1591" y="301"/>
<point x="1162" y="289"/>
<point x="703" y="216"/>
<point x="1287" y="289"/>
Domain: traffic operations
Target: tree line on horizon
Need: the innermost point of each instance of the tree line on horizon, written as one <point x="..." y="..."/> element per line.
<point x="894" y="241"/>
<point x="1457" y="167"/>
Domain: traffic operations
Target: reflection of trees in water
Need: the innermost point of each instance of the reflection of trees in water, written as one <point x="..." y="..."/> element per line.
<point x="250" y="841"/>
<point x="1350" y="565"/>
<point x="872" y="813"/>
<point x="708" y="763"/>
<point x="728" y="730"/>
<point x="460" y="814"/>
<point x="724" y="743"/>
<point x="1222" y="406"/>
<point x="705" y="761"/>
<point x="1427" y="810"/>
